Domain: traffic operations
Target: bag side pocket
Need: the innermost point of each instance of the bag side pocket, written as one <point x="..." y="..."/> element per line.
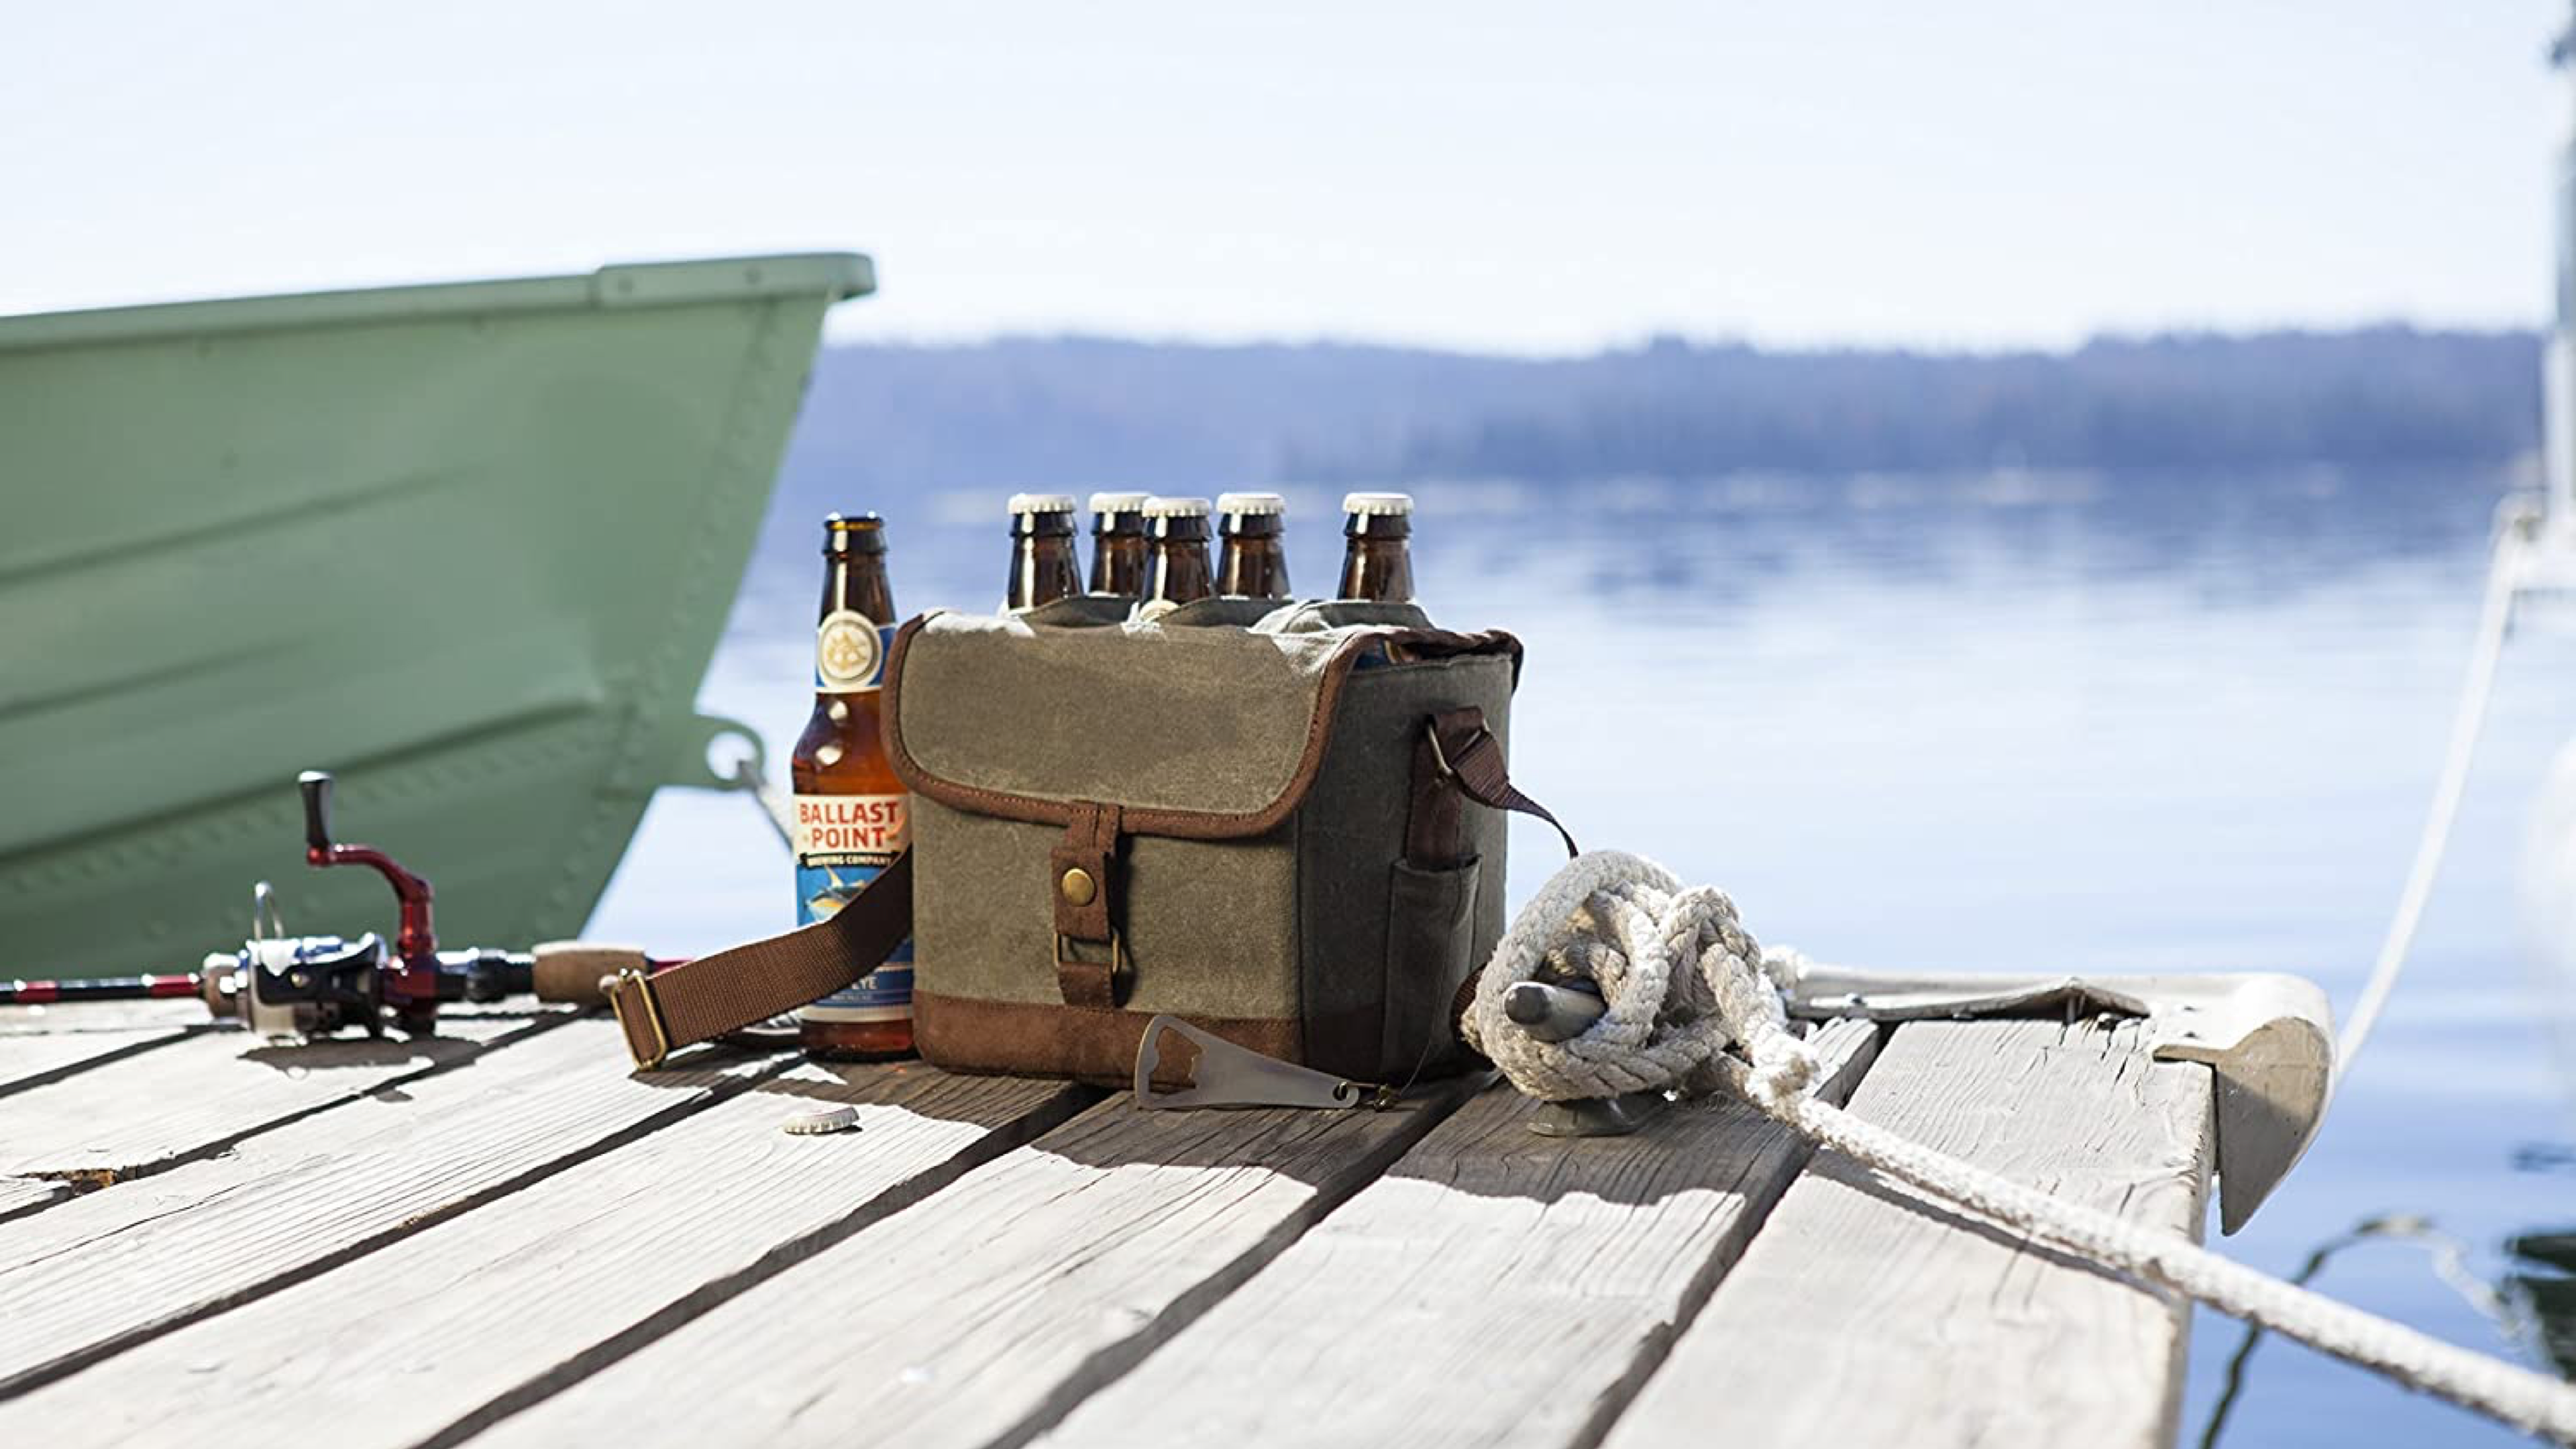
<point x="1430" y="949"/>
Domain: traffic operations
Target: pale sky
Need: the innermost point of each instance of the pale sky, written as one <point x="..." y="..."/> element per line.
<point x="1496" y="176"/>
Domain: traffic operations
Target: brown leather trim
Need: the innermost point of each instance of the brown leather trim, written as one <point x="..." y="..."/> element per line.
<point x="1404" y="645"/>
<point x="961" y="1034"/>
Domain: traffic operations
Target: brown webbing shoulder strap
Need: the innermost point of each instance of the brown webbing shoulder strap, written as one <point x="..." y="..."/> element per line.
<point x="699" y="1000"/>
<point x="1464" y="752"/>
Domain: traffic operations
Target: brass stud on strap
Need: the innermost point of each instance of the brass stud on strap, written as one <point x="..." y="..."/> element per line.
<point x="1078" y="886"/>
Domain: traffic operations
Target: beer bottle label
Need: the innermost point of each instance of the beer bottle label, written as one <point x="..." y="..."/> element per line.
<point x="843" y="842"/>
<point x="850" y="652"/>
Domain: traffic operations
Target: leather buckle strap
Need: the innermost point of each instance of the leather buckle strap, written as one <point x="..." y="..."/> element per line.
<point x="1091" y="983"/>
<point x="1464" y="753"/>
<point x="1082" y="881"/>
<point x="699" y="1000"/>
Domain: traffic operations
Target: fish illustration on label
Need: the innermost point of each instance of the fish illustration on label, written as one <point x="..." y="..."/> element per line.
<point x="842" y="844"/>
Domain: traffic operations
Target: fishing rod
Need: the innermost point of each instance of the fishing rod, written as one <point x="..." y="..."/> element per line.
<point x="305" y="986"/>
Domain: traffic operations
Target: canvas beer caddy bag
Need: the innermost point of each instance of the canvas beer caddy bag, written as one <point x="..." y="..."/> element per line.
<point x="1282" y="824"/>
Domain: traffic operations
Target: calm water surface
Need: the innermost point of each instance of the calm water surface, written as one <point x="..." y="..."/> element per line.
<point x="2011" y="723"/>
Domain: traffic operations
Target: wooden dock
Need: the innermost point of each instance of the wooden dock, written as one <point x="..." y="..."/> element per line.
<point x="502" y="1237"/>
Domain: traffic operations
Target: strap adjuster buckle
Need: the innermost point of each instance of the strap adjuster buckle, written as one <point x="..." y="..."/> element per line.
<point x="1119" y="970"/>
<point x="648" y="1008"/>
<point x="1440" y="763"/>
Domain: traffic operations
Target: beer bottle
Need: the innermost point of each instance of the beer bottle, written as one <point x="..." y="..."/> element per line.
<point x="1181" y="574"/>
<point x="1252" y="562"/>
<point x="1043" y="568"/>
<point x="851" y="814"/>
<point x="1121" y="555"/>
<point x="1376" y="563"/>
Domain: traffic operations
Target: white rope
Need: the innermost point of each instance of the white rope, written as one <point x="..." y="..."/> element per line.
<point x="1681" y="981"/>
<point x="2468" y="719"/>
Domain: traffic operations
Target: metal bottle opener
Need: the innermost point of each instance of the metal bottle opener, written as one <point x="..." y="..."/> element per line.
<point x="1226" y="1075"/>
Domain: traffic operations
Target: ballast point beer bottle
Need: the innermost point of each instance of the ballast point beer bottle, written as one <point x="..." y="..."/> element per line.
<point x="1377" y="562"/>
<point x="1121" y="556"/>
<point x="1252" y="560"/>
<point x="1181" y="573"/>
<point x="1043" y="568"/>
<point x="851" y="816"/>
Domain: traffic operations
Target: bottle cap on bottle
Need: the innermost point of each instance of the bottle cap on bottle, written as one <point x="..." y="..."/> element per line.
<point x="1378" y="505"/>
<point x="1176" y="508"/>
<point x="1041" y="503"/>
<point x="853" y="533"/>
<point x="1120" y="502"/>
<point x="1251" y="503"/>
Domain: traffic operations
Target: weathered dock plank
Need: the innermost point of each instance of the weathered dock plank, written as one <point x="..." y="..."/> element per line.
<point x="39" y="1044"/>
<point x="56" y="1019"/>
<point x="1957" y="1333"/>
<point x="1492" y="1287"/>
<point x="108" y="1269"/>
<point x="193" y="1096"/>
<point x="979" y="1316"/>
<point x="455" y="1324"/>
<point x="18" y="1194"/>
<point x="28" y="1060"/>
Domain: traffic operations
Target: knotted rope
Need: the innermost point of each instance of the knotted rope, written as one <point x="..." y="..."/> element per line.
<point x="1682" y="981"/>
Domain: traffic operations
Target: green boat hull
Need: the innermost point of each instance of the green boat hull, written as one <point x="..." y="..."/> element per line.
<point x="469" y="547"/>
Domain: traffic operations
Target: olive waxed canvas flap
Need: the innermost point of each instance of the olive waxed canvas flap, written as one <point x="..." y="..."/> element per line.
<point x="1261" y="827"/>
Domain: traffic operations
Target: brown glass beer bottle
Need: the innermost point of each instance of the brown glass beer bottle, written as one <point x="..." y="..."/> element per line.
<point x="1252" y="558"/>
<point x="1377" y="563"/>
<point x="1121" y="555"/>
<point x="1043" y="568"/>
<point x="852" y="818"/>
<point x="1181" y="573"/>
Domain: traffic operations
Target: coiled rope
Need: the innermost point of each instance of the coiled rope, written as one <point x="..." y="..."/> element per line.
<point x="1682" y="982"/>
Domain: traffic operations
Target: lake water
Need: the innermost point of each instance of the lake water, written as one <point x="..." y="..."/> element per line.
<point x="2015" y="722"/>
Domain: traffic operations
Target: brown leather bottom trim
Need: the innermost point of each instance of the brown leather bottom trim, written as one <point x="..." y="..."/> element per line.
<point x="960" y="1034"/>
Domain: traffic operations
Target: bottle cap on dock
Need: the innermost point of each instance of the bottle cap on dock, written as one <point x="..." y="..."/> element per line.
<point x="1041" y="503"/>
<point x="1120" y="502"/>
<point x="816" y="1123"/>
<point x="1254" y="504"/>
<point x="1176" y="508"/>
<point x="1378" y="505"/>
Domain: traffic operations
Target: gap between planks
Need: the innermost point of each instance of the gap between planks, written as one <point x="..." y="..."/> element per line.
<point x="94" y="1275"/>
<point x="469" y="1319"/>
<point x="1494" y="1286"/>
<point x="44" y="1044"/>
<point x="1962" y="1332"/>
<point x="22" y="1195"/>
<point x="980" y="1316"/>
<point x="189" y="1099"/>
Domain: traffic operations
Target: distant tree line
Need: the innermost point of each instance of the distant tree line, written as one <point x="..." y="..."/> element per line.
<point x="2383" y="396"/>
<point x="1082" y="412"/>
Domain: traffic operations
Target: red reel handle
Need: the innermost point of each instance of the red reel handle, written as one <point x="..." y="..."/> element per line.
<point x="416" y="943"/>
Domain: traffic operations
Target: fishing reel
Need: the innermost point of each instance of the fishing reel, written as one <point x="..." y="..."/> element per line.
<point x="303" y="986"/>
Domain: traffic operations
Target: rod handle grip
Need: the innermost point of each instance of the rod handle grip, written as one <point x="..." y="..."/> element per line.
<point x="570" y="971"/>
<point x="316" y="785"/>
